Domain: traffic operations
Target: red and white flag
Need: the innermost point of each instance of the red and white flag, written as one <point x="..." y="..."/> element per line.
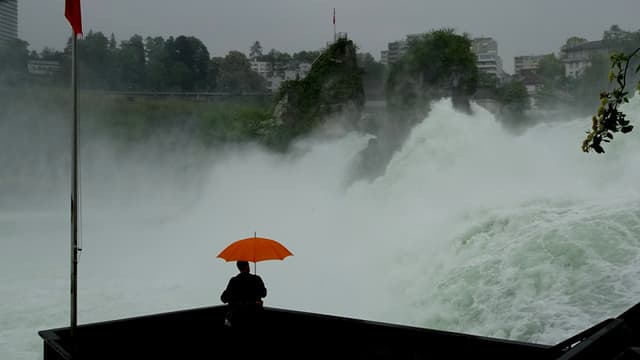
<point x="73" y="14"/>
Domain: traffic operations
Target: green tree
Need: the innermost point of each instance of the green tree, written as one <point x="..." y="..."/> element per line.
<point x="14" y="55"/>
<point x="113" y="44"/>
<point x="48" y="53"/>
<point x="551" y="69"/>
<point x="437" y="64"/>
<point x="514" y="97"/>
<point x="487" y="81"/>
<point x="552" y="73"/>
<point x="236" y="75"/>
<point x="574" y="41"/>
<point x="193" y="56"/>
<point x="587" y="85"/>
<point x="514" y="101"/>
<point x="305" y="56"/>
<point x="609" y="119"/>
<point x="256" y="50"/>
<point x="332" y="87"/>
<point x="96" y="62"/>
<point x="214" y="73"/>
<point x="156" y="75"/>
<point x="373" y="75"/>
<point x="620" y="40"/>
<point x="132" y="63"/>
<point x="278" y="61"/>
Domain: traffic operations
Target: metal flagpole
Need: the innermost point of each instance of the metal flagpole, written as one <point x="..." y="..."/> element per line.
<point x="74" y="190"/>
<point x="74" y="15"/>
<point x="334" y="25"/>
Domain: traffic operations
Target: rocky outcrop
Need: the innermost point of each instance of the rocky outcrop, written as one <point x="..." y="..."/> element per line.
<point x="333" y="88"/>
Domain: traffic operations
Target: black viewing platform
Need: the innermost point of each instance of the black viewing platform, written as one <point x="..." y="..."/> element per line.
<point x="200" y="334"/>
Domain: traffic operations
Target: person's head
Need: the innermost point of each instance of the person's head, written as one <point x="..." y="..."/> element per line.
<point x="243" y="266"/>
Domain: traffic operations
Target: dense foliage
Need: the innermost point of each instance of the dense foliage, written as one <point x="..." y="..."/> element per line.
<point x="13" y="61"/>
<point x="610" y="119"/>
<point x="155" y="64"/>
<point x="334" y="85"/>
<point x="373" y="76"/>
<point x="437" y="64"/>
<point x="578" y="92"/>
<point x="180" y="64"/>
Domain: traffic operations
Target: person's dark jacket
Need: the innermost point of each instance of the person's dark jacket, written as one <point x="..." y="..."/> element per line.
<point x="244" y="288"/>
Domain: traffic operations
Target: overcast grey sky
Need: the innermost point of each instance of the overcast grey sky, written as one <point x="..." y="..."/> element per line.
<point x="520" y="27"/>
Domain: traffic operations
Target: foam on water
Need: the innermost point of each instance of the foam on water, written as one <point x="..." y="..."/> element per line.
<point x="470" y="229"/>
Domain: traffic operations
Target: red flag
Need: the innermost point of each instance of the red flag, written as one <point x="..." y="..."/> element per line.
<point x="73" y="14"/>
<point x="334" y="16"/>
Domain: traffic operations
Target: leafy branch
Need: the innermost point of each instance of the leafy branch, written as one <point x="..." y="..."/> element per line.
<point x="609" y="118"/>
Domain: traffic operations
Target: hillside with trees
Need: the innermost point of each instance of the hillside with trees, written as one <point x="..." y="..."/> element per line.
<point x="437" y="64"/>
<point x="333" y="87"/>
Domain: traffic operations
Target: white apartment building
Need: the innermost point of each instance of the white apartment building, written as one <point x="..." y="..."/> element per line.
<point x="43" y="67"/>
<point x="577" y="58"/>
<point x="486" y="50"/>
<point x="395" y="51"/>
<point x="384" y="57"/>
<point x="261" y="67"/>
<point x="275" y="78"/>
<point x="8" y="19"/>
<point x="527" y="63"/>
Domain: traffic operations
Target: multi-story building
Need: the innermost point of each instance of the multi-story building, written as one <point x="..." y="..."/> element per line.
<point x="578" y="57"/>
<point x="414" y="37"/>
<point x="526" y="71"/>
<point x="484" y="45"/>
<point x="486" y="50"/>
<point x="527" y="63"/>
<point x="261" y="67"/>
<point x="384" y="57"/>
<point x="43" y="67"/>
<point x="275" y="77"/>
<point x="8" y="19"/>
<point x="395" y="51"/>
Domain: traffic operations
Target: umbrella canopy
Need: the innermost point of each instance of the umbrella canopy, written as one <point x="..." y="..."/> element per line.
<point x="254" y="249"/>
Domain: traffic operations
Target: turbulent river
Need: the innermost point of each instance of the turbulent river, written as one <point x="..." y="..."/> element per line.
<point x="471" y="228"/>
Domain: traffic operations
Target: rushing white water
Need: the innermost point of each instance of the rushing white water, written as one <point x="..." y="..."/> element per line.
<point x="471" y="229"/>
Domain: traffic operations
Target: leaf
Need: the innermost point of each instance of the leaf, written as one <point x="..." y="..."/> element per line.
<point x="626" y="129"/>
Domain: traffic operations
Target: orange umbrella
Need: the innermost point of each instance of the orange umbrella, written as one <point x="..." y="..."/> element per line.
<point x="254" y="249"/>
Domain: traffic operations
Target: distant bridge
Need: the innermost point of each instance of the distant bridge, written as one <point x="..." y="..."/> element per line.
<point x="194" y="95"/>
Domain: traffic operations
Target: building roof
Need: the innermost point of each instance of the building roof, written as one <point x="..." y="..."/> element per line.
<point x="589" y="45"/>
